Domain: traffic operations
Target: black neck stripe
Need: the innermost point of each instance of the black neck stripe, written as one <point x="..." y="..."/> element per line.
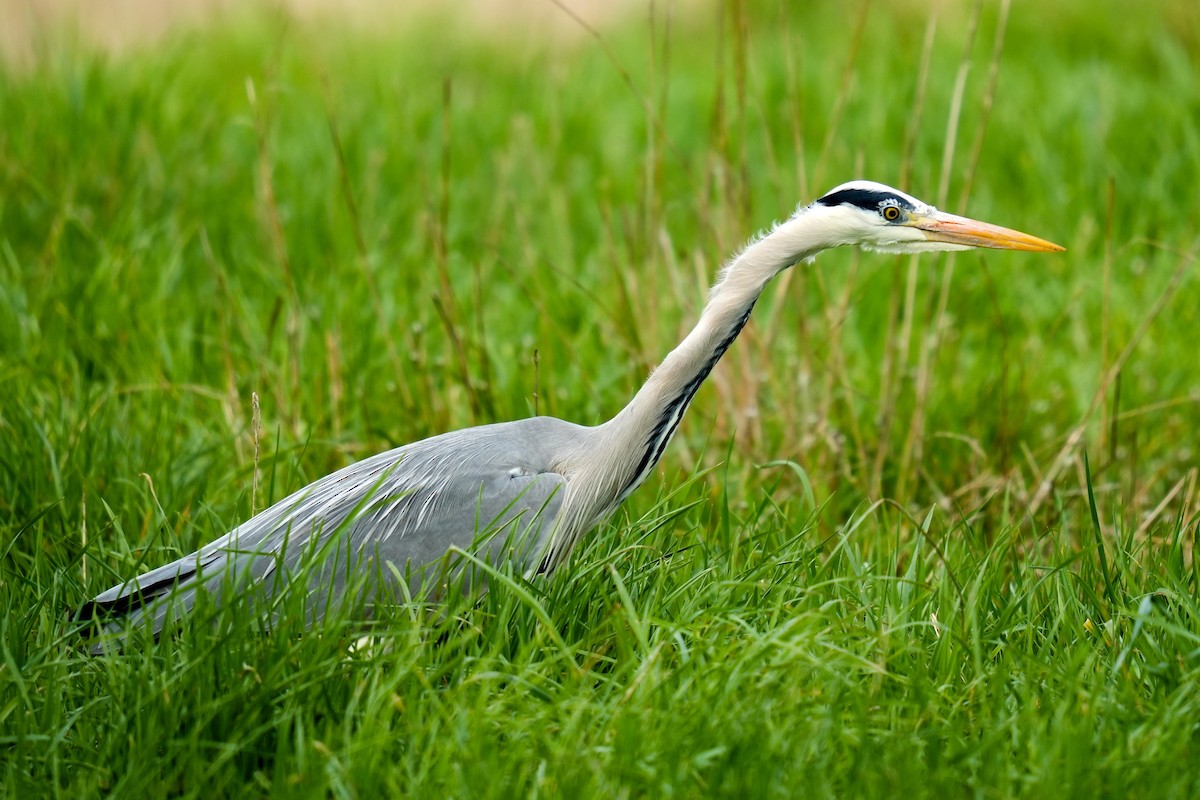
<point x="673" y="411"/>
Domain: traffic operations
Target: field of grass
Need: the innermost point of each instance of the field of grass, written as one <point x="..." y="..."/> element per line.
<point x="930" y="527"/>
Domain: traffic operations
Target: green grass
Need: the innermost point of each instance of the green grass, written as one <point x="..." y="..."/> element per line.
<point x="873" y="560"/>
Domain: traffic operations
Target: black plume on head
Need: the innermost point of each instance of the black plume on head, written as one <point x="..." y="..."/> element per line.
<point x="866" y="199"/>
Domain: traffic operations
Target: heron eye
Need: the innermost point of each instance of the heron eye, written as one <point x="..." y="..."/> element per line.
<point x="891" y="213"/>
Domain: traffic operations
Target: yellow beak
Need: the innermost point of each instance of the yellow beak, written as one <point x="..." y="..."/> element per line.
<point x="940" y="227"/>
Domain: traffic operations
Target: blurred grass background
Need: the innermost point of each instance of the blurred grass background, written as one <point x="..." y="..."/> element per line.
<point x="388" y="228"/>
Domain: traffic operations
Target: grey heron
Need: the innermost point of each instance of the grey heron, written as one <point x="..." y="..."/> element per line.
<point x="526" y="490"/>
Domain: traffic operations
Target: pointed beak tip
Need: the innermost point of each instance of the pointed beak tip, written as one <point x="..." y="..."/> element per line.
<point x="1043" y="246"/>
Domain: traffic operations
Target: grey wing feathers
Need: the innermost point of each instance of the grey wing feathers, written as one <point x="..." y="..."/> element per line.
<point x="491" y="489"/>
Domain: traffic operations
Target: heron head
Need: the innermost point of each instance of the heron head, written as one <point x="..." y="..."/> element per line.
<point x="877" y="217"/>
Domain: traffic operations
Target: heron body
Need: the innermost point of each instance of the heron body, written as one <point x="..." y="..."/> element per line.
<point x="525" y="491"/>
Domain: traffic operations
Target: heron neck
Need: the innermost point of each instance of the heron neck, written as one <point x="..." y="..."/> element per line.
<point x="645" y="426"/>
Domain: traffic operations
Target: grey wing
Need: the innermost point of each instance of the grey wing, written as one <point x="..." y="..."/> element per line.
<point x="488" y="490"/>
<point x="498" y="512"/>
